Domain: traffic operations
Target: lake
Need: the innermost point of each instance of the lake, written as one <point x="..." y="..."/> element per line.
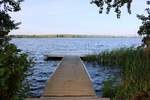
<point x="37" y="48"/>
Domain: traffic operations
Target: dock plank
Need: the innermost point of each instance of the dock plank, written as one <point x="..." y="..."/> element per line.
<point x="69" y="79"/>
<point x="68" y="98"/>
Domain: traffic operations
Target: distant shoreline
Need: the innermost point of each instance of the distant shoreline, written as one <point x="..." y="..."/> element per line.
<point x="70" y="36"/>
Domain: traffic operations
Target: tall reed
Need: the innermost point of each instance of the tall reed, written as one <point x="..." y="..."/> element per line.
<point x="135" y="72"/>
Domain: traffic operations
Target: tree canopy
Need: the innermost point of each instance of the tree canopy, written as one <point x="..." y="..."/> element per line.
<point x="115" y="4"/>
<point x="6" y="24"/>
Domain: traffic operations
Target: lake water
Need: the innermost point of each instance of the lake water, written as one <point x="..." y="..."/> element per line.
<point x="37" y="48"/>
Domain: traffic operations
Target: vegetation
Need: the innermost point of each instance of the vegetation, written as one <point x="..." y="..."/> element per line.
<point x="145" y="27"/>
<point x="64" y="36"/>
<point x="115" y="4"/>
<point x="89" y="58"/>
<point x="134" y="62"/>
<point x="109" y="88"/>
<point x="13" y="63"/>
<point x="135" y="73"/>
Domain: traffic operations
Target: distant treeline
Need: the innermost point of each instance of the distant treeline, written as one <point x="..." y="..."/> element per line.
<point x="63" y="36"/>
<point x="49" y="36"/>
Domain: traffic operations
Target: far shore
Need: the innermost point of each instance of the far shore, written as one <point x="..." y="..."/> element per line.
<point x="70" y="36"/>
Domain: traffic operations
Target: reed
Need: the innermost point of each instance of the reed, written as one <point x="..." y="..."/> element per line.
<point x="90" y="58"/>
<point x="135" y="72"/>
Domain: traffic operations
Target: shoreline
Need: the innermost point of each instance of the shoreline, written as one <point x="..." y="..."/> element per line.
<point x="70" y="36"/>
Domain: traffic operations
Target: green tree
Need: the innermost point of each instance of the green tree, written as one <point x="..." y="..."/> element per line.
<point x="13" y="64"/>
<point x="145" y="27"/>
<point x="115" y="4"/>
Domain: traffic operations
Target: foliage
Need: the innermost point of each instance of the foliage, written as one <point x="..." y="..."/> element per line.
<point x="135" y="72"/>
<point x="6" y="24"/>
<point x="109" y="88"/>
<point x="13" y="70"/>
<point x="145" y="27"/>
<point x="10" y="5"/>
<point x="116" y="4"/>
<point x="13" y="64"/>
<point x="89" y="58"/>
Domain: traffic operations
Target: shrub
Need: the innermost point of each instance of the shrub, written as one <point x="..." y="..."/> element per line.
<point x="13" y="64"/>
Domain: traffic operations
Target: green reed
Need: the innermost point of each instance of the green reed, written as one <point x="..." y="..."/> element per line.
<point x="135" y="72"/>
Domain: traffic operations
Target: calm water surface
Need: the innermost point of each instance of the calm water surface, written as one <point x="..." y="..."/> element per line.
<point x="37" y="48"/>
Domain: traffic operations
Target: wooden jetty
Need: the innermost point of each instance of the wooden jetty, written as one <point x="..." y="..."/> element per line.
<point x="70" y="81"/>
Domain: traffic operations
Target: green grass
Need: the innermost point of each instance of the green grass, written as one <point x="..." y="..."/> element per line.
<point x="135" y="72"/>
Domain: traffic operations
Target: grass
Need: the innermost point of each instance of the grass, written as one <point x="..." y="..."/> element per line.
<point x="135" y="73"/>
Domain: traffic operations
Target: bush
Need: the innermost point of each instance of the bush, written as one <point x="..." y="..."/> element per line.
<point x="13" y="71"/>
<point x="13" y="64"/>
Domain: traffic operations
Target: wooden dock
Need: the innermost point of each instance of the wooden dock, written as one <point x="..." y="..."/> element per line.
<point x="70" y="82"/>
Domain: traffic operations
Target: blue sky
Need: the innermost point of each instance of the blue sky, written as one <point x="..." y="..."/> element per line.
<point x="75" y="17"/>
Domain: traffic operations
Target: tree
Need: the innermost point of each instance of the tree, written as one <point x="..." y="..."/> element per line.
<point x="144" y="29"/>
<point x="6" y="24"/>
<point x="13" y="64"/>
<point x="116" y="4"/>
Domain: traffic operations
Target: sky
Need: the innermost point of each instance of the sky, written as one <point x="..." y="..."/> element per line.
<point x="75" y="17"/>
